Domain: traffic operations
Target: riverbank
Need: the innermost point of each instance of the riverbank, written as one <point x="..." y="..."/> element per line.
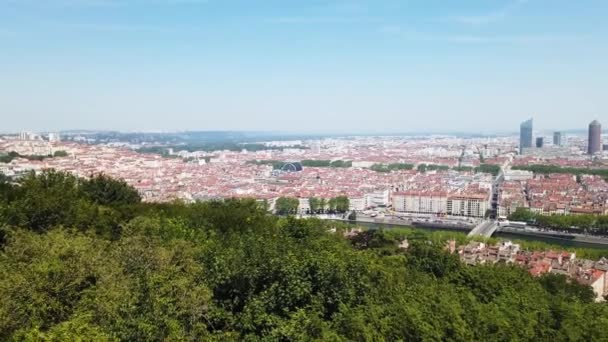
<point x="553" y="237"/>
<point x="566" y="240"/>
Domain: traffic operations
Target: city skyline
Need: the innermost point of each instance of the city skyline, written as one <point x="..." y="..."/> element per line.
<point x="347" y="66"/>
<point x="595" y="137"/>
<point x="299" y="170"/>
<point x="511" y="130"/>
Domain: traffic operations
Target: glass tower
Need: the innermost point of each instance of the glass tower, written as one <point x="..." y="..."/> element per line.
<point x="525" y="135"/>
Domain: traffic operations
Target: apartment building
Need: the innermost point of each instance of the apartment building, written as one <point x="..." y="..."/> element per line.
<point x="471" y="205"/>
<point x="420" y="202"/>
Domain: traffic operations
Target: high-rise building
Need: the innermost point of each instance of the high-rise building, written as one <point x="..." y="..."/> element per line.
<point x="54" y="137"/>
<point x="525" y="135"/>
<point x="315" y="147"/>
<point x="559" y="139"/>
<point x="540" y="142"/>
<point x="595" y="137"/>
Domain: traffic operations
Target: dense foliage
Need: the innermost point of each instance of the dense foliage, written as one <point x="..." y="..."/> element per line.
<point x="548" y="169"/>
<point x="432" y="167"/>
<point x="229" y="271"/>
<point x="287" y="206"/>
<point x="9" y="157"/>
<point x="463" y="168"/>
<point x="488" y="168"/>
<point x="60" y="153"/>
<point x="391" y="167"/>
<point x="592" y="224"/>
<point x="290" y="206"/>
<point x="483" y="168"/>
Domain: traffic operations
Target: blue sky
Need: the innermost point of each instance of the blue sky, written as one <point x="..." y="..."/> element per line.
<point x="314" y="66"/>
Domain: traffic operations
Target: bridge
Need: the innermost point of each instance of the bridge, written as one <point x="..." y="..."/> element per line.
<point x="486" y="228"/>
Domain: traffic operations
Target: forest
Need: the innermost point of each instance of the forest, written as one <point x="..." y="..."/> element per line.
<point x="85" y="259"/>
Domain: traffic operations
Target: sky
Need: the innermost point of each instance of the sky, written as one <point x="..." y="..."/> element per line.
<point x="346" y="66"/>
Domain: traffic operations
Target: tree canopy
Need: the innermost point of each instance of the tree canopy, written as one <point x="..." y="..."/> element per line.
<point x="76" y="265"/>
<point x="593" y="224"/>
<point x="548" y="169"/>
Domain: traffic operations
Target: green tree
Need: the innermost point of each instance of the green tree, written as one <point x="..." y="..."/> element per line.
<point x="560" y="285"/>
<point x="352" y="216"/>
<point x="7" y="189"/>
<point x="315" y="205"/>
<point x="228" y="270"/>
<point x="332" y="205"/>
<point x="105" y="190"/>
<point x="488" y="168"/>
<point x="341" y="204"/>
<point x="322" y="204"/>
<point x="287" y="206"/>
<point x="45" y="200"/>
<point x="60" y="153"/>
<point x="522" y="214"/>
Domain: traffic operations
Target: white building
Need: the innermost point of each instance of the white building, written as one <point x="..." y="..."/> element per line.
<point x="420" y="202"/>
<point x="356" y="203"/>
<point x="378" y="198"/>
<point x="518" y="175"/>
<point x="54" y="137"/>
<point x="304" y="205"/>
<point x="315" y="147"/>
<point x="470" y="205"/>
<point x="362" y="163"/>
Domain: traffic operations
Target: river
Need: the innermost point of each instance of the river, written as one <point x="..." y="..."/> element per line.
<point x="529" y="236"/>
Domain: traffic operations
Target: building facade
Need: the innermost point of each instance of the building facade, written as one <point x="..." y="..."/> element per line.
<point x="559" y="139"/>
<point x="540" y="142"/>
<point x="420" y="202"/>
<point x="525" y="135"/>
<point x="473" y="205"/>
<point x="439" y="203"/>
<point x="595" y="138"/>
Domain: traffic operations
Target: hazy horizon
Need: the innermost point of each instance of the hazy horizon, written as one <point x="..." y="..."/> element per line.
<point x="304" y="66"/>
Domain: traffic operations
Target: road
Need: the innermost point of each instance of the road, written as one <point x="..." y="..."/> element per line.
<point x="485" y="229"/>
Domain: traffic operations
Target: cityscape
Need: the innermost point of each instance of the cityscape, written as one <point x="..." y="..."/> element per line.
<point x="473" y="184"/>
<point x="440" y="175"/>
<point x="303" y="170"/>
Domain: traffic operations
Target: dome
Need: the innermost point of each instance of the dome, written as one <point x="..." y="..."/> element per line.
<point x="292" y="167"/>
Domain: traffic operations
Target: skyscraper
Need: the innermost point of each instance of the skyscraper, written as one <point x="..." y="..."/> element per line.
<point x="559" y="139"/>
<point x="525" y="135"/>
<point x="595" y="137"/>
<point x="540" y="142"/>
